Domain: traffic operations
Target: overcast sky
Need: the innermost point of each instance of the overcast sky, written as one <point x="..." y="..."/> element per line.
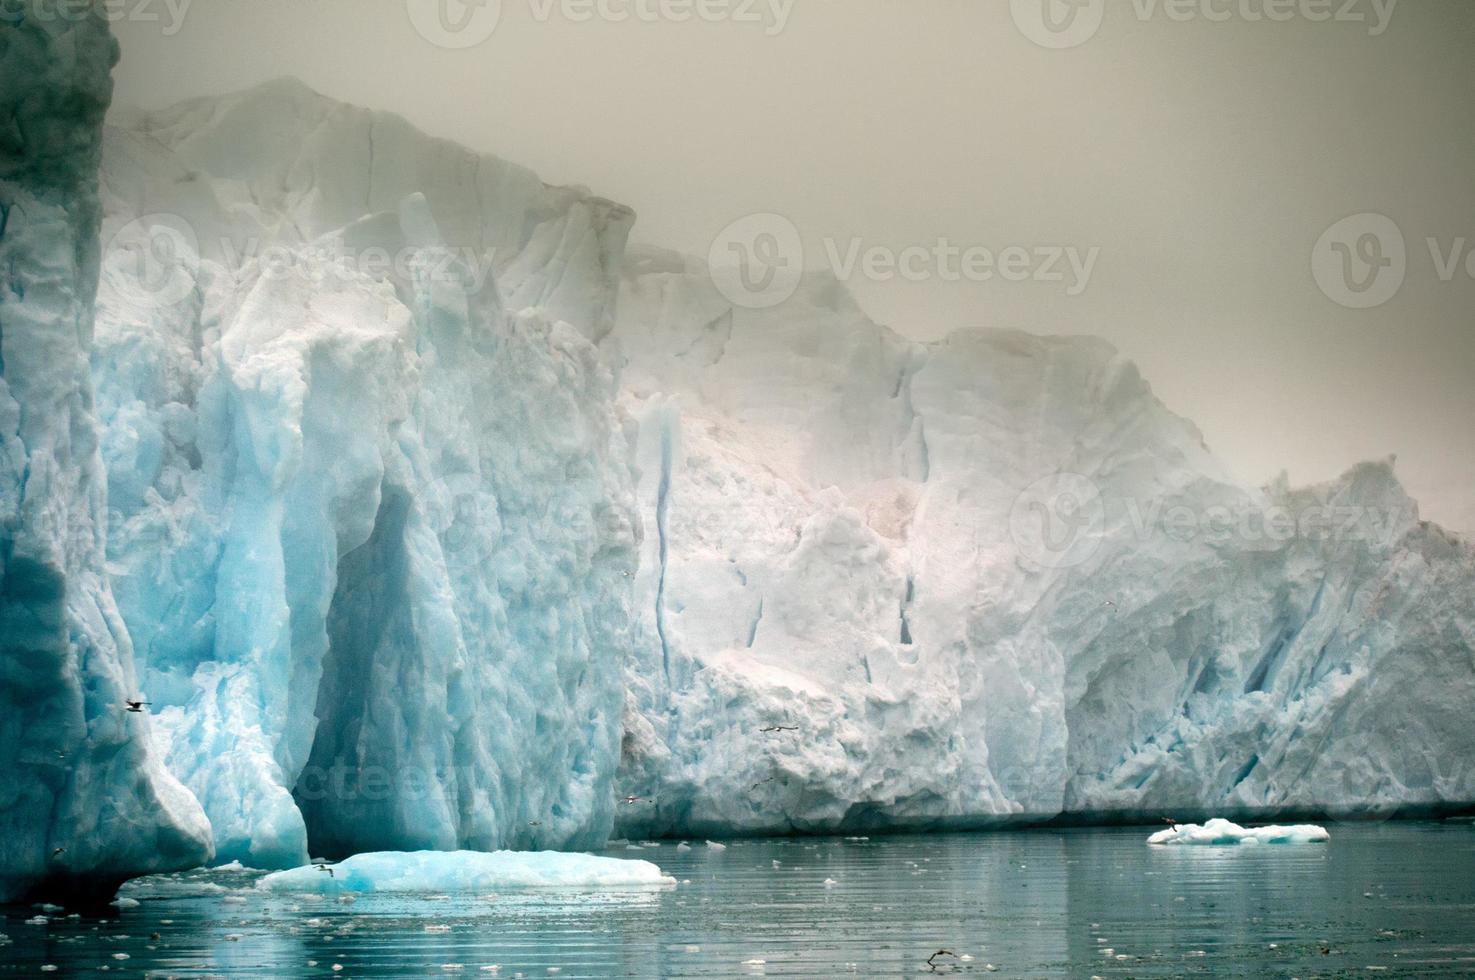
<point x="1204" y="148"/>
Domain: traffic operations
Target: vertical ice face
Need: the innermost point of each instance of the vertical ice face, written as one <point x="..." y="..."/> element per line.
<point x="84" y="796"/>
<point x="994" y="579"/>
<point x="372" y="515"/>
<point x="376" y="505"/>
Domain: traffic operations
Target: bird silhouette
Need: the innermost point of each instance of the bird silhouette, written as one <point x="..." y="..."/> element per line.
<point x="779" y="728"/>
<point x="136" y="707"/>
<point x="632" y="800"/>
<point x="1170" y="822"/>
<point x="324" y="867"/>
<point x="58" y="852"/>
<point x="941" y="952"/>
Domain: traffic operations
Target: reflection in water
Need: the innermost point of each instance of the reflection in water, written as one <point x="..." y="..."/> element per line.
<point x="1046" y="903"/>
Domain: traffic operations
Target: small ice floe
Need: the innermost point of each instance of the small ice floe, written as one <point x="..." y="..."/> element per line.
<point x="714" y="846"/>
<point x="48" y="908"/>
<point x="39" y="920"/>
<point x="234" y="900"/>
<point x="683" y="847"/>
<point x="124" y="903"/>
<point x="49" y="968"/>
<point x="121" y="956"/>
<point x="831" y="883"/>
<point x="468" y="871"/>
<point x="233" y="937"/>
<point x="755" y="962"/>
<point x="438" y="928"/>
<point x="1222" y="833"/>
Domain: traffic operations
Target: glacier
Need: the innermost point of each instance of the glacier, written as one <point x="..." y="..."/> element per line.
<point x="372" y="535"/>
<point x="854" y="619"/>
<point x="86" y="799"/>
<point x="430" y="515"/>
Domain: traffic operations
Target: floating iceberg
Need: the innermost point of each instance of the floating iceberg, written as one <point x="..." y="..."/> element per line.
<point x="467" y="871"/>
<point x="1222" y="832"/>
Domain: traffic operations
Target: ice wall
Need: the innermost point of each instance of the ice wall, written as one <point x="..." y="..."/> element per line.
<point x="855" y="617"/>
<point x="372" y="517"/>
<point x="387" y="533"/>
<point x="84" y="800"/>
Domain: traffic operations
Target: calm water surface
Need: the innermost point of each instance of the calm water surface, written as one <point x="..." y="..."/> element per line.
<point x="1395" y="899"/>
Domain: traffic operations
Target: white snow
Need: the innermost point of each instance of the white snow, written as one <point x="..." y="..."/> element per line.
<point x="1219" y="832"/>
<point x="467" y="871"/>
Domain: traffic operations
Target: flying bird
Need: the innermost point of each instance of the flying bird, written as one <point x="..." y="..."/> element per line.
<point x="779" y="728"/>
<point x="1170" y="822"/>
<point x="58" y="852"/>
<point x="324" y="867"/>
<point x="136" y="707"/>
<point x="632" y="800"/>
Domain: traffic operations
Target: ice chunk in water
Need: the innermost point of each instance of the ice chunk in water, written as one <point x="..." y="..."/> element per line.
<point x="1223" y="832"/>
<point x="466" y="871"/>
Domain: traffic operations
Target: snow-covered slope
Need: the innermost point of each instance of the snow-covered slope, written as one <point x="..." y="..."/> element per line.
<point x="372" y="530"/>
<point x="406" y="511"/>
<point x="83" y="797"/>
<point x="995" y="579"/>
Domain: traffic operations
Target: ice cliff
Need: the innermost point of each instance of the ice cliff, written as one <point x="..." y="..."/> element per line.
<point x="438" y="521"/>
<point x="83" y="798"/>
<point x="994" y="579"/>
<point x="372" y="532"/>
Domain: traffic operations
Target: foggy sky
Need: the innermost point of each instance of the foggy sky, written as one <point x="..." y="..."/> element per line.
<point x="1204" y="159"/>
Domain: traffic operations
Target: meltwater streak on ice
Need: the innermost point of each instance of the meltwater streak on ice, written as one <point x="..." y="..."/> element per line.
<point x="1039" y="903"/>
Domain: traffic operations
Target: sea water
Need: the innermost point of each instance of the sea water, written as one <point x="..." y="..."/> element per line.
<point x="1393" y="898"/>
